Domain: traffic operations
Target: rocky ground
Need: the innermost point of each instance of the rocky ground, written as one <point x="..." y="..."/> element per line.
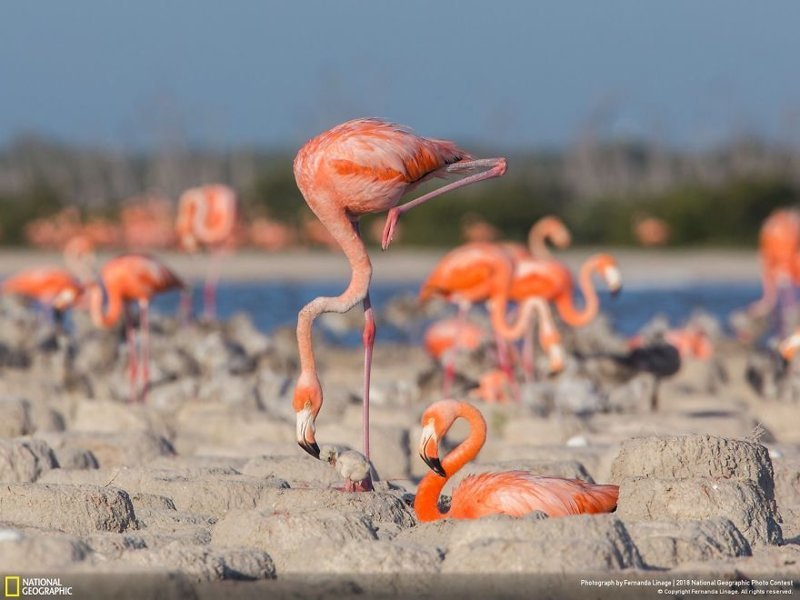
<point x="203" y="490"/>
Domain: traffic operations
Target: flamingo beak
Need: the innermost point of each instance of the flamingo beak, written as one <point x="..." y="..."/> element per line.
<point x="788" y="347"/>
<point x="613" y="280"/>
<point x="305" y="432"/>
<point x="429" y="450"/>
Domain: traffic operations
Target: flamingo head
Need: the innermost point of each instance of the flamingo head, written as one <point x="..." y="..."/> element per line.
<point x="306" y="403"/>
<point x="608" y="268"/>
<point x="436" y="420"/>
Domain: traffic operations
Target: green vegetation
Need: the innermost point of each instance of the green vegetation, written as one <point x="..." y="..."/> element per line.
<point x="600" y="189"/>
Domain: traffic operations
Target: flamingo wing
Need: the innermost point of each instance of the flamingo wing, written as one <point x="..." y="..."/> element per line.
<point x="517" y="493"/>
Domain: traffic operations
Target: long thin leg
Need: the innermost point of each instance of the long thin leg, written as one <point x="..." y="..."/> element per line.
<point x="786" y="306"/>
<point x="210" y="289"/>
<point x="496" y="168"/>
<point x="185" y="309"/>
<point x="133" y="367"/>
<point x="450" y="356"/>
<point x="369" y="343"/>
<point x="529" y="355"/>
<point x="144" y="326"/>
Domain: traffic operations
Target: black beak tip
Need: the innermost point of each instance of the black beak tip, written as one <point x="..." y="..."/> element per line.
<point x="616" y="292"/>
<point x="435" y="465"/>
<point x="312" y="448"/>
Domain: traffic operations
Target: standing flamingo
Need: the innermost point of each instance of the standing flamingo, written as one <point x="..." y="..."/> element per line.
<point x="779" y="250"/>
<point x="478" y="272"/>
<point x="52" y="287"/>
<point x="359" y="167"/>
<point x="123" y="280"/>
<point x="207" y="216"/>
<point x="513" y="493"/>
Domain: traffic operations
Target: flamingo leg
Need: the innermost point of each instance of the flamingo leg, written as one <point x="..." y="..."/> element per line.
<point x="144" y="326"/>
<point x="210" y="288"/>
<point x="133" y="367"/>
<point x="495" y="168"/>
<point x="529" y="356"/>
<point x="185" y="308"/>
<point x="787" y="303"/>
<point x="369" y="343"/>
<point x="450" y="357"/>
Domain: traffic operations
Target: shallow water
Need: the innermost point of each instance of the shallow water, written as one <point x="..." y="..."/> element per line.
<point x="272" y="304"/>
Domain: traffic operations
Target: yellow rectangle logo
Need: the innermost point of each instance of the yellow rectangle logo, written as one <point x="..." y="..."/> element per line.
<point x="11" y="587"/>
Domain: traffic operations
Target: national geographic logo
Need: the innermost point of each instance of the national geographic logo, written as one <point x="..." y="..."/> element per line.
<point x="15" y="586"/>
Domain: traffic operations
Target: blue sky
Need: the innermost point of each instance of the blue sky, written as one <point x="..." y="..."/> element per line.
<point x="521" y="73"/>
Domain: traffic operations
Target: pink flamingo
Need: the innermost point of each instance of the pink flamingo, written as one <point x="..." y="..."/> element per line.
<point x="123" y="280"/>
<point x="207" y="216"/>
<point x="513" y="493"/>
<point x="359" y="167"/>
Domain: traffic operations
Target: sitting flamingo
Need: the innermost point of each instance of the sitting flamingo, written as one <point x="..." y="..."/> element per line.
<point x="513" y="493"/>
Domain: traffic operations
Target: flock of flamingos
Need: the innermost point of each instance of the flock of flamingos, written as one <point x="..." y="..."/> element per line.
<point x="366" y="166"/>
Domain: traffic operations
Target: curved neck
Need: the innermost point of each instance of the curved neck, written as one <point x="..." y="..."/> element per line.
<point x="345" y="232"/>
<point x="536" y="241"/>
<point x="111" y="316"/>
<point x="565" y="303"/>
<point x="426" y="503"/>
<point x="498" y="304"/>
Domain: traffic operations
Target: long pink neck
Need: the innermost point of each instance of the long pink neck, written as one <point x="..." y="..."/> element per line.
<point x="536" y="240"/>
<point x="346" y="234"/>
<point x="430" y="488"/>
<point x="565" y="303"/>
<point x="113" y="311"/>
<point x="498" y="305"/>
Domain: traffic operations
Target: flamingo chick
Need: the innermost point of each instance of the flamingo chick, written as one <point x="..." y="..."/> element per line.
<point x="123" y="280"/>
<point x="513" y="493"/>
<point x="359" y="167"/>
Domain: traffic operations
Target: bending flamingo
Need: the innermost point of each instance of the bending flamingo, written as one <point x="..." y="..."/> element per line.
<point x="52" y="287"/>
<point x="359" y="167"/>
<point x="124" y="280"/>
<point x="514" y="493"/>
<point x="206" y="216"/>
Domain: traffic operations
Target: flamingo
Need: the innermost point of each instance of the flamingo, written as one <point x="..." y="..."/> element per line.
<point x="123" y="280"/>
<point x="207" y="216"/>
<point x="359" y="167"/>
<point x="550" y="279"/>
<point x="52" y="287"/>
<point x="445" y="336"/>
<point x="478" y="272"/>
<point x="513" y="493"/>
<point x="547" y="229"/>
<point x="79" y="256"/>
<point x="779" y="250"/>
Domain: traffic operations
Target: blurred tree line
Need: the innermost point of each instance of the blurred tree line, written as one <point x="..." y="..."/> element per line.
<point x="600" y="187"/>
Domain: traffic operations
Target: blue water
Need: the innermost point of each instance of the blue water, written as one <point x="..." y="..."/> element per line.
<point x="272" y="304"/>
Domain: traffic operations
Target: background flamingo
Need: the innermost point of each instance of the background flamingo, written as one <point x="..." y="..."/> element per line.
<point x="779" y="252"/>
<point x="207" y="217"/>
<point x="364" y="166"/>
<point x="478" y="272"/>
<point x="124" y="280"/>
<point x="51" y="287"/>
<point x="514" y="493"/>
<point x="547" y="229"/>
